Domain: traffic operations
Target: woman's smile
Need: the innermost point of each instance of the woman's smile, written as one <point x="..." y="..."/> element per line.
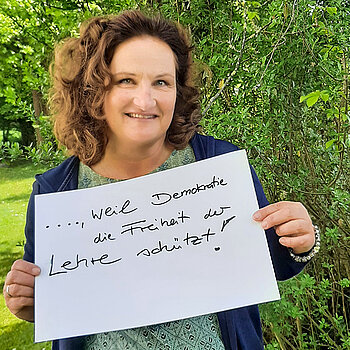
<point x="141" y="116"/>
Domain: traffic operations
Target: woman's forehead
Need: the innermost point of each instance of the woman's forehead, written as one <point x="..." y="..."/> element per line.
<point x="143" y="53"/>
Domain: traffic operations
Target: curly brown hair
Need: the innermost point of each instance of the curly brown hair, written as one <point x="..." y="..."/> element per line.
<point x="81" y="79"/>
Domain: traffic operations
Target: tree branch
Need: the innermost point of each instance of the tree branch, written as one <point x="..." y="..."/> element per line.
<point x="259" y="31"/>
<point x="24" y="29"/>
<point x="230" y="76"/>
<point x="278" y="43"/>
<point x="316" y="59"/>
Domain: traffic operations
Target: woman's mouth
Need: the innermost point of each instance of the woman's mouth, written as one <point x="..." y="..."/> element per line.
<point x="140" y="116"/>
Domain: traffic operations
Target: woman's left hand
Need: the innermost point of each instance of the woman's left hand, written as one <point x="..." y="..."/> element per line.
<point x="292" y="223"/>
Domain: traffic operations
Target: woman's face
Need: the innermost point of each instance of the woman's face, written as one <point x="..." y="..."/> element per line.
<point x="140" y="106"/>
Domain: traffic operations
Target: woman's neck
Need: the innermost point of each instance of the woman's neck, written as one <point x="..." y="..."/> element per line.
<point x="132" y="161"/>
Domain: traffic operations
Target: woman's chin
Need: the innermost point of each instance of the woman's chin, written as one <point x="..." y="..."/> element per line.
<point x="143" y="140"/>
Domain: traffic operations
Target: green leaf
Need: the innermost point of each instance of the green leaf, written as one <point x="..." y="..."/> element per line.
<point x="345" y="283"/>
<point x="331" y="113"/>
<point x="252" y="15"/>
<point x="303" y="98"/>
<point x="330" y="143"/>
<point x="331" y="10"/>
<point x="312" y="100"/>
<point x="324" y="95"/>
<point x="10" y="94"/>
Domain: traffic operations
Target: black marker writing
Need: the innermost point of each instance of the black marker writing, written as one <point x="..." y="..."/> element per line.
<point x="110" y="211"/>
<point x="196" y="240"/>
<point x="171" y="222"/>
<point x="51" y="268"/>
<point x="68" y="224"/>
<point x="134" y="226"/>
<point x="68" y="265"/>
<point x="159" y="249"/>
<point x="102" y="237"/>
<point x="212" y="212"/>
<point x="225" y="222"/>
<point x="208" y="234"/>
<point x="164" y="197"/>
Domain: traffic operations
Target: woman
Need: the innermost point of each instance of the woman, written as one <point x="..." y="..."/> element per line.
<point x="125" y="106"/>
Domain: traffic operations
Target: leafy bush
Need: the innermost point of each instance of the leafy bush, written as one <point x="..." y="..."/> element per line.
<point x="10" y="151"/>
<point x="45" y="153"/>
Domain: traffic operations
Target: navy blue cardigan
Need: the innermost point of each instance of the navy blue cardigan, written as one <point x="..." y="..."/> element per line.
<point x="240" y="328"/>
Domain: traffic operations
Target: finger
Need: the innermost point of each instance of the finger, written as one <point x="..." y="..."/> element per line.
<point x="279" y="217"/>
<point x="283" y="212"/>
<point x="16" y="291"/>
<point x="262" y="213"/>
<point x="26" y="266"/>
<point x="20" y="278"/>
<point x="17" y="304"/>
<point x="295" y="228"/>
<point x="22" y="272"/>
<point x="299" y="244"/>
<point x="26" y="313"/>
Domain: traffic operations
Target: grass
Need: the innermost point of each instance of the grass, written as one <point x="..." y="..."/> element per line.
<point x="15" y="187"/>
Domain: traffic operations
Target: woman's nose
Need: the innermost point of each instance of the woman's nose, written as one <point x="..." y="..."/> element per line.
<point x="144" y="98"/>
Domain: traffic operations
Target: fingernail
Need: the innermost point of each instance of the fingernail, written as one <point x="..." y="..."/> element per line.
<point x="283" y="241"/>
<point x="264" y="225"/>
<point x="256" y="216"/>
<point x="36" y="271"/>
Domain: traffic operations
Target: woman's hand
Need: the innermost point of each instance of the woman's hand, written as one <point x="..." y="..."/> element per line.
<point x="292" y="223"/>
<point x="19" y="289"/>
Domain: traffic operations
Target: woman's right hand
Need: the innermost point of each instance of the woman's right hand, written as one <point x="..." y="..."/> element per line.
<point x="19" y="289"/>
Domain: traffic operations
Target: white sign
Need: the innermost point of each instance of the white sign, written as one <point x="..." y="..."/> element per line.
<point x="162" y="247"/>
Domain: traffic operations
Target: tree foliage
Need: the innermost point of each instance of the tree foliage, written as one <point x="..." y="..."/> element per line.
<point x="275" y="80"/>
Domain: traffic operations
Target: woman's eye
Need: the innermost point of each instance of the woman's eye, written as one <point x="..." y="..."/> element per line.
<point x="125" y="81"/>
<point x="161" y="83"/>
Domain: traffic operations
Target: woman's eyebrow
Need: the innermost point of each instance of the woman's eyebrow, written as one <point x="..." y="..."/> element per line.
<point x="162" y="75"/>
<point x="124" y="73"/>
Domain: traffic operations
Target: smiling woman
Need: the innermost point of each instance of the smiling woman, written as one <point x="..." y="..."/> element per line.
<point x="139" y="107"/>
<point x="124" y="105"/>
<point x="145" y="64"/>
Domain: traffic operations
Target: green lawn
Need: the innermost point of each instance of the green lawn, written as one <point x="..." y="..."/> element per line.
<point x="15" y="187"/>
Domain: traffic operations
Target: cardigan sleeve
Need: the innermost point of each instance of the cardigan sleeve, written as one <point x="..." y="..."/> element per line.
<point x="29" y="227"/>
